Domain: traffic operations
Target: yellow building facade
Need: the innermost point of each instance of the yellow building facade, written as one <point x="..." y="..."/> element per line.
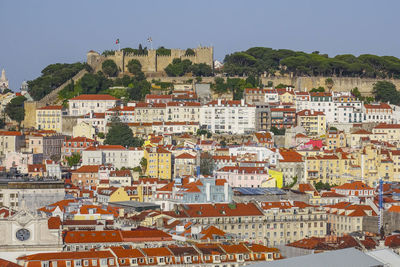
<point x="335" y="139"/>
<point x="368" y="164"/>
<point x="49" y="118"/>
<point x="313" y="122"/>
<point x="159" y="162"/>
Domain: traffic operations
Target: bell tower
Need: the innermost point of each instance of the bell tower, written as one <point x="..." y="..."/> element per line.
<point x="3" y="80"/>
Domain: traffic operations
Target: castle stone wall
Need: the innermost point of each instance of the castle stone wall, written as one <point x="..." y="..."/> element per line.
<point x="151" y="62"/>
<point x="163" y="62"/>
<point x="364" y="85"/>
<point x="30" y="113"/>
<point x="148" y="62"/>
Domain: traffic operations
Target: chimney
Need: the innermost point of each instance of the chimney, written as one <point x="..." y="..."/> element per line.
<point x="122" y="105"/>
<point x="219" y="102"/>
<point x="242" y="102"/>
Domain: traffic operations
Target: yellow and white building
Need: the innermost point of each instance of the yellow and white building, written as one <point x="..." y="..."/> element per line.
<point x="159" y="162"/>
<point x="313" y="122"/>
<point x="49" y="118"/>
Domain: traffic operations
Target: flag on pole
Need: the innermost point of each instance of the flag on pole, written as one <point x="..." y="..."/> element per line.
<point x="117" y="41"/>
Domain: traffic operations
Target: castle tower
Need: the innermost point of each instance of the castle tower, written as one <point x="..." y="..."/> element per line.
<point x="93" y="59"/>
<point x="119" y="60"/>
<point x="3" y="81"/>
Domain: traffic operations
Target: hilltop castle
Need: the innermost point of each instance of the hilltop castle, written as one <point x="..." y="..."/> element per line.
<point x="152" y="63"/>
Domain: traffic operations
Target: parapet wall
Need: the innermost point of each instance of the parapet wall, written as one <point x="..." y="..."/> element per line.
<point x="152" y="62"/>
<point x="364" y="85"/>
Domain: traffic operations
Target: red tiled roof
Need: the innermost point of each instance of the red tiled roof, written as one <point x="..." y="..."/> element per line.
<point x="290" y="156"/>
<point x="87" y="169"/>
<point x="219" y="209"/>
<point x="320" y="94"/>
<point x="306" y="187"/>
<point x="80" y="139"/>
<point x="150" y="96"/>
<point x="220" y="182"/>
<point x="185" y="156"/>
<point x="300" y="135"/>
<point x="358" y="185"/>
<point x="293" y="110"/>
<point x="95" y="115"/>
<point x="394" y="208"/>
<point x="157" y="252"/>
<point x="362" y="131"/>
<point x="307" y="112"/>
<point x="276" y="205"/>
<point x="36" y="168"/>
<point x="377" y="106"/>
<point x="127" y="253"/>
<point x="261" y="248"/>
<point x="211" y="232"/>
<point x="331" y="194"/>
<point x="67" y="255"/>
<point x="51" y="108"/>
<point x="111" y="236"/>
<point x="234" y="249"/>
<point x="263" y="136"/>
<point x="392" y="241"/>
<point x="12" y="133"/>
<point x="387" y="126"/>
<point x="6" y="263"/>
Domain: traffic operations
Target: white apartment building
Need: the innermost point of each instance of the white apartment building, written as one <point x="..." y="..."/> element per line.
<point x="349" y="114"/>
<point x="85" y="104"/>
<point x="116" y="155"/>
<point x="174" y="127"/>
<point x="271" y="96"/>
<point x="378" y="112"/>
<point x="332" y="105"/>
<point x="183" y="111"/>
<point x="124" y="113"/>
<point x="234" y="116"/>
<point x="262" y="153"/>
<point x="148" y="112"/>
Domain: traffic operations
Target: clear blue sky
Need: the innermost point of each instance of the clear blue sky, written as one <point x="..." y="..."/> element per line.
<point x="37" y="33"/>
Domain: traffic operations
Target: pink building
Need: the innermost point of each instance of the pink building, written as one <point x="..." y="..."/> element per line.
<point x="243" y="176"/>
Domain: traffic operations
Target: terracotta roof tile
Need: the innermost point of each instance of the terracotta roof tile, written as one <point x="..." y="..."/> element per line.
<point x="51" y="108"/>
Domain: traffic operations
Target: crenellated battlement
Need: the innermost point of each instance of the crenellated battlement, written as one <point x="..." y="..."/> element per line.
<point x="152" y="62"/>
